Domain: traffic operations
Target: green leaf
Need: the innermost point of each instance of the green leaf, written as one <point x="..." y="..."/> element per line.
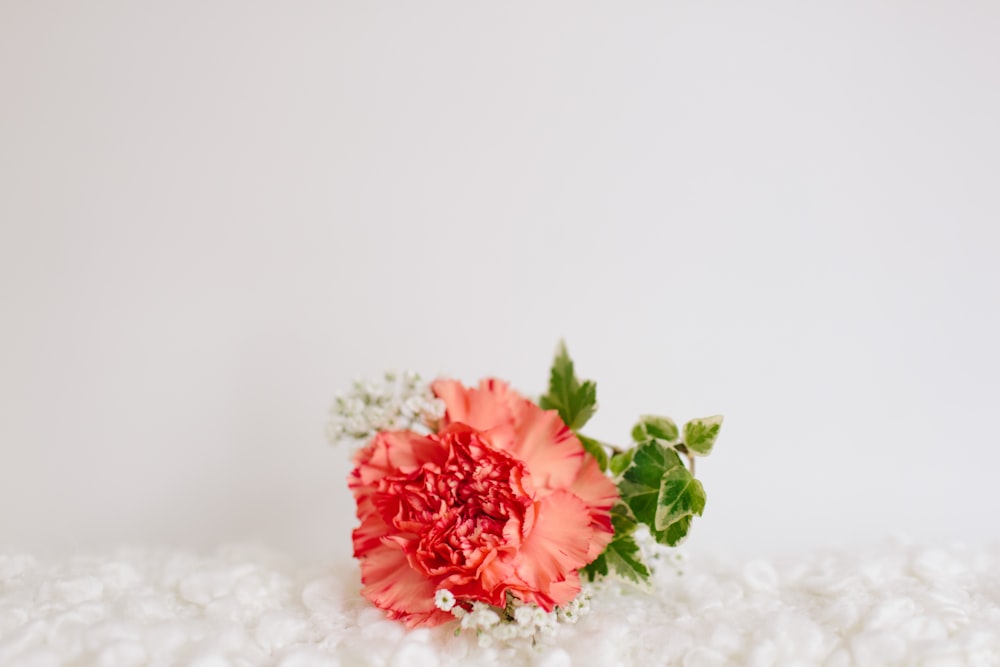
<point x="681" y="495"/>
<point x="596" y="449"/>
<point x="661" y="493"/>
<point x="674" y="534"/>
<point x="622" y="519"/>
<point x="597" y="567"/>
<point x="652" y="426"/>
<point x="620" y="462"/>
<point x="640" y="485"/>
<point x="575" y="401"/>
<point x="622" y="556"/>
<point x="700" y="434"/>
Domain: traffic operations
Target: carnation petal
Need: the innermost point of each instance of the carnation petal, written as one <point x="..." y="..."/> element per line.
<point x="488" y="408"/>
<point x="558" y="545"/>
<point x="373" y="528"/>
<point x="552" y="454"/>
<point x="396" y="452"/>
<point x="391" y="584"/>
<point x="594" y="488"/>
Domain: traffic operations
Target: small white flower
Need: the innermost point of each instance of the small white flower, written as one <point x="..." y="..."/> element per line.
<point x="396" y="401"/>
<point x="434" y="409"/>
<point x="482" y="617"/>
<point x="444" y="600"/>
<point x="526" y="631"/>
<point x="524" y="616"/>
<point x="413" y="406"/>
<point x="486" y="618"/>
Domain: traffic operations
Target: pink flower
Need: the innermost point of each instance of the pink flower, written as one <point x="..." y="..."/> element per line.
<point x="503" y="499"/>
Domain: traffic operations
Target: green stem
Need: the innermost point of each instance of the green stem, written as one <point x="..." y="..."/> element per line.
<point x="682" y="448"/>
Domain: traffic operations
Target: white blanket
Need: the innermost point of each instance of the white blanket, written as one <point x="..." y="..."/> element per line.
<point x="246" y="606"/>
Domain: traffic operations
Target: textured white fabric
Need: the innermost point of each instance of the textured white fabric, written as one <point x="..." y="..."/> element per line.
<point x="246" y="606"/>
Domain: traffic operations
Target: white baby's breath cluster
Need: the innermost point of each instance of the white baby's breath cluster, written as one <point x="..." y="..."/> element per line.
<point x="495" y="625"/>
<point x="398" y="401"/>
<point x="660" y="559"/>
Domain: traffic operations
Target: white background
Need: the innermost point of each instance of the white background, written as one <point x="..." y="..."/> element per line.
<point x="214" y="214"/>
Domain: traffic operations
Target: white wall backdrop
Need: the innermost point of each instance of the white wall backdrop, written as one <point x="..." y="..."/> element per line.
<point x="214" y="214"/>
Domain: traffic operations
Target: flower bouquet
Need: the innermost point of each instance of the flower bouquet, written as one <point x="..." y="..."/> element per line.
<point x="481" y="506"/>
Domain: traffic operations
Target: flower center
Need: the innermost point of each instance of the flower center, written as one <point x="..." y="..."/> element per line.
<point x="468" y="510"/>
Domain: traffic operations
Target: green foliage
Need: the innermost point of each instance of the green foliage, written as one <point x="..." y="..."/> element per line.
<point x="652" y="427"/>
<point x="622" y="556"/>
<point x="675" y="532"/>
<point x="661" y="492"/>
<point x="656" y="489"/>
<point x="596" y="449"/>
<point x="700" y="434"/>
<point x="597" y="567"/>
<point x="640" y="485"/>
<point x="575" y="401"/>
<point x="620" y="462"/>
<point x="681" y="496"/>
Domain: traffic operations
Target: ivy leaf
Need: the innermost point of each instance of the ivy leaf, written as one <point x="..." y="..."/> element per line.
<point x="622" y="556"/>
<point x="597" y="567"/>
<point x="681" y="495"/>
<point x="622" y="519"/>
<point x="575" y="401"/>
<point x="651" y="426"/>
<point x="675" y="532"/>
<point x="620" y="462"/>
<point x="661" y="492"/>
<point x="700" y="434"/>
<point x="596" y="449"/>
<point x="640" y="485"/>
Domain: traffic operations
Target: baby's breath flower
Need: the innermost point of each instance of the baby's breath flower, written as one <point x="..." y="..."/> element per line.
<point x="444" y="600"/>
<point x="661" y="560"/>
<point x="524" y="615"/>
<point x="399" y="401"/>
<point x="567" y="615"/>
<point x="579" y="606"/>
<point x="481" y="618"/>
<point x="517" y="620"/>
<point x="547" y="623"/>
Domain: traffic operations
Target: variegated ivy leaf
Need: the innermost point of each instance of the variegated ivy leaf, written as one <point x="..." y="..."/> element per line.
<point x="661" y="492"/>
<point x="575" y="401"/>
<point x="622" y="556"/>
<point x="596" y="449"/>
<point x="681" y="496"/>
<point x="652" y="426"/>
<point x="620" y="462"/>
<point x="700" y="434"/>
<point x="640" y="484"/>
<point x="675" y="532"/>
